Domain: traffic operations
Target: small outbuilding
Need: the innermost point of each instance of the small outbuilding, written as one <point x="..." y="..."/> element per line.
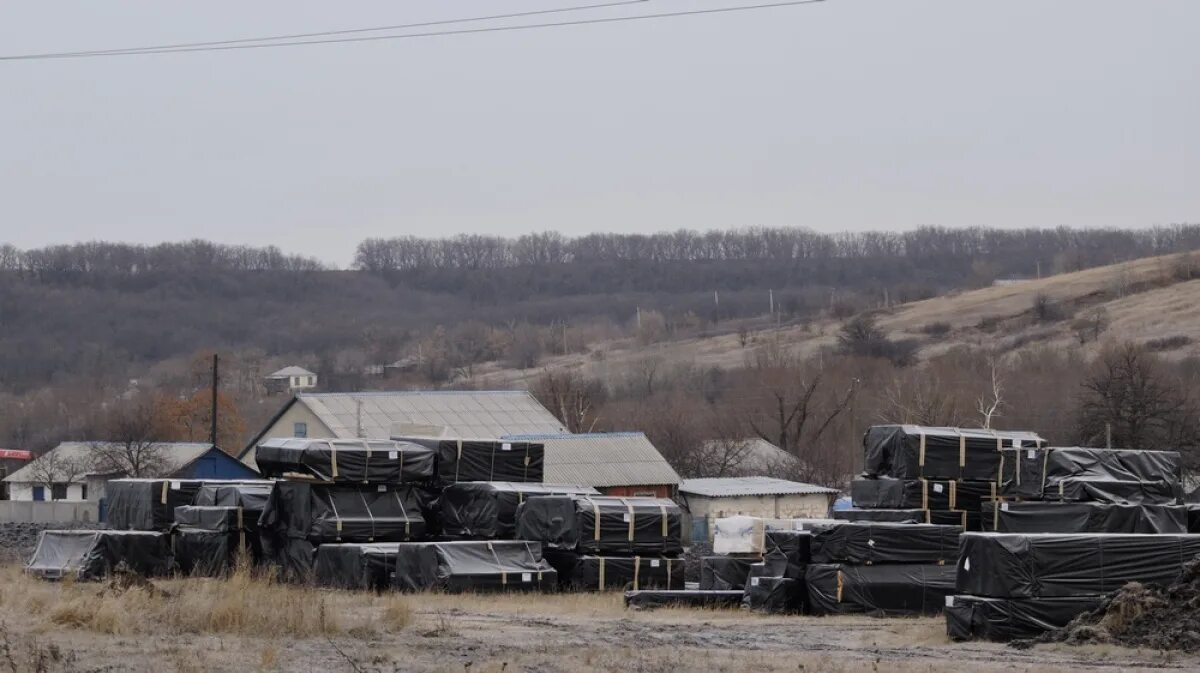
<point x="767" y="497"/>
<point x="289" y="379"/>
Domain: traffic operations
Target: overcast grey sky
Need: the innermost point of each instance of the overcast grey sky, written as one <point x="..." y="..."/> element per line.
<point x="845" y="115"/>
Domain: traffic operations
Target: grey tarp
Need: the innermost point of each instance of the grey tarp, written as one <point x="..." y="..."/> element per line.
<point x="250" y="496"/>
<point x="1083" y="517"/>
<point x="684" y="598"/>
<point x="93" y="554"/>
<point x="1035" y="565"/>
<point x="347" y="460"/>
<point x="485" y="459"/>
<point x="603" y="524"/>
<point x="1004" y="619"/>
<point x="943" y="494"/>
<point x="1036" y="473"/>
<point x="862" y="542"/>
<point x="369" y="566"/>
<point x="485" y="510"/>
<point x="149" y="504"/>
<point x="601" y="573"/>
<point x="774" y="595"/>
<point x="483" y="565"/>
<point x="884" y="590"/>
<point x="913" y="451"/>
<point x="208" y="539"/>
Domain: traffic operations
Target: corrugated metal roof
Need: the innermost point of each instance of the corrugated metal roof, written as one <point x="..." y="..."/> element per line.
<point x="449" y="413"/>
<point x="727" y="487"/>
<point x="175" y="456"/>
<point x="603" y="459"/>
<point x="290" y="371"/>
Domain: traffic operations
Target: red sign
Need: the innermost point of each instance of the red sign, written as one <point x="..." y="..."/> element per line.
<point x="15" y="454"/>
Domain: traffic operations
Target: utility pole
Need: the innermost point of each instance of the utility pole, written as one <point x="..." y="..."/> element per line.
<point x="1108" y="435"/>
<point x="771" y="298"/>
<point x="639" y="318"/>
<point x="212" y="436"/>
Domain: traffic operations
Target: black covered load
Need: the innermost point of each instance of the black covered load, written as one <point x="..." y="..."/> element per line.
<point x="963" y="519"/>
<point x="944" y="494"/>
<point x="773" y="595"/>
<point x="250" y="495"/>
<point x="913" y="451"/>
<point x="484" y="565"/>
<point x="208" y="540"/>
<point x="485" y="459"/>
<point x="347" y="460"/>
<point x="786" y="554"/>
<point x="147" y="504"/>
<point x="488" y="509"/>
<point x="94" y="554"/>
<point x="686" y="598"/>
<point x="1101" y="475"/>
<point x="601" y="573"/>
<point x="882" y="590"/>
<point x="873" y="542"/>
<point x="1004" y="619"/>
<point x="356" y="566"/>
<point x="603" y="524"/>
<point x="1083" y="517"/>
<point x="725" y="573"/>
<point x="1037" y="565"/>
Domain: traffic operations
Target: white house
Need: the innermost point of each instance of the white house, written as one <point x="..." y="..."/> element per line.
<point x="766" y="497"/>
<point x="291" y="378"/>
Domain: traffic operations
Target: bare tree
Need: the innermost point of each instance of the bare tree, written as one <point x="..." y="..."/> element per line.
<point x="58" y="467"/>
<point x="988" y="404"/>
<point x="135" y="440"/>
<point x="571" y="399"/>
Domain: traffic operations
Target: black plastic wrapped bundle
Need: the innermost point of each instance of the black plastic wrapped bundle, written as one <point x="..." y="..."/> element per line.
<point x="773" y="595"/>
<point x="884" y="590"/>
<point x="356" y="566"/>
<point x="485" y="565"/>
<point x="602" y="573"/>
<point x="687" y="598"/>
<point x="603" y="525"/>
<point x="209" y="540"/>
<point x="725" y="573"/>
<point x="787" y="553"/>
<point x="342" y="513"/>
<point x="1103" y="475"/>
<point x="1038" y="565"/>
<point x="486" y="510"/>
<point x="250" y="496"/>
<point x="1083" y="517"/>
<point x="912" y="451"/>
<point x="485" y="459"/>
<point x="147" y="504"/>
<point x="944" y="494"/>
<point x="347" y="460"/>
<point x="882" y="515"/>
<point x="94" y="554"/>
<point x="1004" y="619"/>
<point x="870" y="542"/>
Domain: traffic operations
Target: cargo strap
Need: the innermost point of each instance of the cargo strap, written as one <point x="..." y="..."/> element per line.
<point x="367" y="468"/>
<point x="492" y="466"/>
<point x="601" y="573"/>
<point x="166" y="485"/>
<point x="333" y="471"/>
<point x="995" y="514"/>
<point x="839" y="586"/>
<point x="403" y="513"/>
<point x="953" y="494"/>
<point x="534" y="558"/>
<point x="1000" y="470"/>
<point x="962" y="448"/>
<point x="503" y="573"/>
<point x="668" y="562"/>
<point x="665" y="529"/>
<point x="526" y="472"/>
<point x="337" y="519"/>
<point x="924" y="493"/>
<point x="629" y="509"/>
<point x="241" y="531"/>
<point x="596" y="518"/>
<point x="458" y="461"/>
<point x="1045" y="467"/>
<point x="921" y="449"/>
<point x="370" y="515"/>
<point x="637" y="566"/>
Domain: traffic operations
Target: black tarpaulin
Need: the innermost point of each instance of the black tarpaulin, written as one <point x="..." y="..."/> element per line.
<point x="774" y="595"/>
<point x="725" y="573"/>
<point x="893" y="515"/>
<point x="223" y="519"/>
<point x="147" y="504"/>
<point x="93" y="554"/>
<point x="1004" y="619"/>
<point x="912" y="452"/>
<point x="1083" y="517"/>
<point x="250" y="496"/>
<point x="342" y="513"/>
<point x="1036" y="473"/>
<point x="945" y="494"/>
<point x="687" y="598"/>
<point x="1193" y="517"/>
<point x="603" y="573"/>
<point x="786" y="553"/>
<point x="347" y="460"/>
<point x="1121" y="491"/>
<point x="603" y="525"/>
<point x="878" y="542"/>
<point x="1035" y="565"/>
<point x="206" y="553"/>
<point x="483" y="510"/>
<point x="485" y="459"/>
<point x="884" y="590"/>
<point x="369" y="566"/>
<point x="484" y="565"/>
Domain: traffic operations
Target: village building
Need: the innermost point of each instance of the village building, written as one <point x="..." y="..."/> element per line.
<point x="290" y="379"/>
<point x="615" y="463"/>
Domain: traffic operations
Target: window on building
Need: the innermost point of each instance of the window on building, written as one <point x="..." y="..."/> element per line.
<point x="58" y="491"/>
<point x="645" y="494"/>
<point x="83" y="492"/>
<point x="299" y="429"/>
<point x="308" y="380"/>
<point x="39" y="493"/>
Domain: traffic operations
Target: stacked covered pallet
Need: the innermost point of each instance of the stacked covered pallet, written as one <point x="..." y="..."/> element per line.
<point x="764" y="559"/>
<point x="918" y="474"/>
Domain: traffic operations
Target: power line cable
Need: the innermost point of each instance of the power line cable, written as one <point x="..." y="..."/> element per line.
<point x="374" y="38"/>
<point x="324" y="33"/>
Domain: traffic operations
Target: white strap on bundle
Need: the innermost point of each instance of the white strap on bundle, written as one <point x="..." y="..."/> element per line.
<point x="367" y="467"/>
<point x="637" y="566"/>
<point x="596" y="516"/>
<point x="403" y="513"/>
<point x="337" y="520"/>
<point x="166" y="485"/>
<point x="601" y="572"/>
<point x="458" y="461"/>
<point x="500" y="566"/>
<point x="629" y="508"/>
<point x="962" y="448"/>
<point x="921" y="449"/>
<point x="924" y="493"/>
<point x="333" y="460"/>
<point x="665" y="529"/>
<point x="370" y="515"/>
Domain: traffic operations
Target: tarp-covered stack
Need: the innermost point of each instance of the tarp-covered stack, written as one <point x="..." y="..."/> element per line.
<point x="881" y="569"/>
<point x="918" y="474"/>
<point x="95" y="554"/>
<point x="209" y="540"/>
<point x="149" y="504"/>
<point x="364" y="461"/>
<point x="485" y="459"/>
<point x="1015" y="585"/>
<point x="763" y="558"/>
<point x="603" y="542"/>
<point x="1075" y="489"/>
<point x="487" y="510"/>
<point x="484" y="565"/>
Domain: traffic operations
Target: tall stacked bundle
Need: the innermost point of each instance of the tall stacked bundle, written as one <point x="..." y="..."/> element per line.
<point x="881" y="568"/>
<point x="1017" y="585"/>
<point x="149" y="504"/>
<point x="601" y="542"/>
<point x="487" y="510"/>
<point x="931" y="475"/>
<point x="763" y="558"/>
<point x="220" y="527"/>
<point x="484" y="459"/>
<point x="1075" y="489"/>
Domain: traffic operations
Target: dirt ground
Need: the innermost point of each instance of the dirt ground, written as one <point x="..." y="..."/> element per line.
<point x="47" y="627"/>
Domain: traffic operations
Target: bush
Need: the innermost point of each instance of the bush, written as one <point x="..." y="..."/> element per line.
<point x="1046" y="309"/>
<point x="936" y="329"/>
<point x="1168" y="343"/>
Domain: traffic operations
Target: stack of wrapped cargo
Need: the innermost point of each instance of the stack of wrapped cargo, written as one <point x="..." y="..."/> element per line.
<point x="599" y="543"/>
<point x="765" y="559"/>
<point x="930" y="475"/>
<point x="1085" y="490"/>
<point x="883" y="569"/>
<point x="1017" y="585"/>
<point x="221" y="528"/>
